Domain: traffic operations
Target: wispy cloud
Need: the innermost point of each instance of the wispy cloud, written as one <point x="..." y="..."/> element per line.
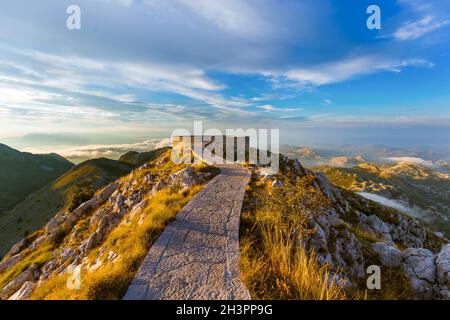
<point x="271" y="108"/>
<point x="349" y="68"/>
<point x="169" y="62"/>
<point x="412" y="30"/>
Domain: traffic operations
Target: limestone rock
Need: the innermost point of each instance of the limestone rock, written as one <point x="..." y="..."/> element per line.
<point x="30" y="274"/>
<point x="420" y="269"/>
<point x="18" y="247"/>
<point x="443" y="271"/>
<point x="389" y="256"/>
<point x="182" y="179"/>
<point x="378" y="226"/>
<point x="24" y="292"/>
<point x="348" y="254"/>
<point x="10" y="262"/>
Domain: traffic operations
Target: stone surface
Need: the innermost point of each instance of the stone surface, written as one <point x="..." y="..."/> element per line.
<point x="197" y="256"/>
<point x="443" y="271"/>
<point x="24" y="292"/>
<point x="420" y="269"/>
<point x="9" y="263"/>
<point x="389" y="256"/>
<point x="30" y="274"/>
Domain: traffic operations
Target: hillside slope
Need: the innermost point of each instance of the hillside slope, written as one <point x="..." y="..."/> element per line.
<point x="139" y="158"/>
<point x="106" y="237"/>
<point x="67" y="191"/>
<point x="22" y="173"/>
<point x="303" y="238"/>
<point x="419" y="191"/>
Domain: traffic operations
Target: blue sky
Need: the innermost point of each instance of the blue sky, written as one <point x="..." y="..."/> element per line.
<point x="140" y="68"/>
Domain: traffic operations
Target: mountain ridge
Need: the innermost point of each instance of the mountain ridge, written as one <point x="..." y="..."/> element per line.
<point x="35" y="210"/>
<point x="425" y="191"/>
<point x="22" y="173"/>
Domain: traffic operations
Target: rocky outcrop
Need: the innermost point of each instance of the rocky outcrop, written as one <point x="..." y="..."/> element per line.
<point x="179" y="181"/>
<point x="31" y="274"/>
<point x="420" y="268"/>
<point x="389" y="255"/>
<point x="8" y="263"/>
<point x="24" y="292"/>
<point x="351" y="233"/>
<point x="443" y="272"/>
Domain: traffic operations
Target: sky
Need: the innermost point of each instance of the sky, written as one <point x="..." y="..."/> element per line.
<point x="138" y="69"/>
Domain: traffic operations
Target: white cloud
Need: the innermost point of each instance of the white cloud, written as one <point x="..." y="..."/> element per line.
<point x="416" y="160"/>
<point x="231" y="15"/>
<point x="112" y="151"/>
<point x="270" y="108"/>
<point x="77" y="76"/>
<point x="266" y="107"/>
<point x="396" y="204"/>
<point x="342" y="70"/>
<point x="416" y="29"/>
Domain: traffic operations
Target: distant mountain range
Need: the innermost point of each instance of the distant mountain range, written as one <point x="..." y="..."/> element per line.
<point x="415" y="181"/>
<point x="347" y="156"/>
<point x="409" y="187"/>
<point x="22" y="173"/>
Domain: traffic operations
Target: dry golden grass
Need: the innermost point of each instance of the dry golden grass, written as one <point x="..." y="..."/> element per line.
<point x="274" y="263"/>
<point x="38" y="257"/>
<point x="131" y="242"/>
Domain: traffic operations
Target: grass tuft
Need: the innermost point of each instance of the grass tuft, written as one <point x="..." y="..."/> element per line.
<point x="274" y="262"/>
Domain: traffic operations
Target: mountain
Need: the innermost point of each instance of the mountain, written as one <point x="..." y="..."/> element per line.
<point x="139" y="158"/>
<point x="333" y="232"/>
<point x="22" y="173"/>
<point x="68" y="191"/>
<point x="343" y="161"/>
<point x="410" y="187"/>
<point x="297" y="219"/>
<point x="112" y="229"/>
<point x="321" y="157"/>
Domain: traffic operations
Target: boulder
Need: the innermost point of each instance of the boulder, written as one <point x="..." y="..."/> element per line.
<point x="158" y="186"/>
<point x="107" y="192"/>
<point x="24" y="292"/>
<point x="348" y="254"/>
<point x="377" y="226"/>
<point x="183" y="179"/>
<point x="18" y="247"/>
<point x="389" y="256"/>
<point x="443" y="271"/>
<point x="419" y="267"/>
<point x="327" y="189"/>
<point x="136" y="209"/>
<point x="30" y="274"/>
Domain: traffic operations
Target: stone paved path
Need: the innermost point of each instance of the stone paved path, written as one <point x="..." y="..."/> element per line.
<point x="197" y="256"/>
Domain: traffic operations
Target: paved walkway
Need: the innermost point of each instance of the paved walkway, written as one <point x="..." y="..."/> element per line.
<point x="197" y="256"/>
